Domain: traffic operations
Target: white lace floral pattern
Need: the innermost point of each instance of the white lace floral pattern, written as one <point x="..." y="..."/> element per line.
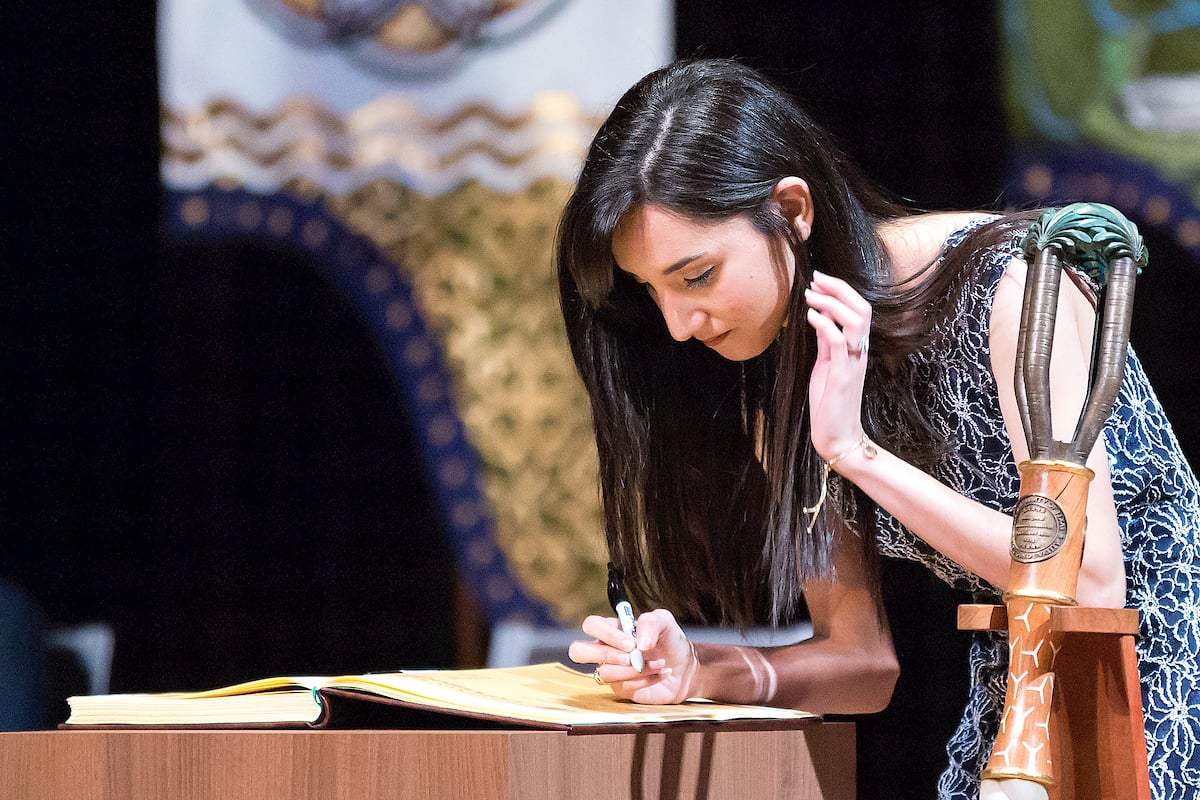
<point x="1157" y="507"/>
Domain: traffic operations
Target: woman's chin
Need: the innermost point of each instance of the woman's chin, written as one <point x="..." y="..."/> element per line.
<point x="732" y="352"/>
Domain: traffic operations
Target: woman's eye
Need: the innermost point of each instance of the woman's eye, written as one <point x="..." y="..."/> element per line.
<point x="700" y="280"/>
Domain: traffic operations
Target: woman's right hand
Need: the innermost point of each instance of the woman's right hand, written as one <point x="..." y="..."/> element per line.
<point x="841" y="319"/>
<point x="671" y="667"/>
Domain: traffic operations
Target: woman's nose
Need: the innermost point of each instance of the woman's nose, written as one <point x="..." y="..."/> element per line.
<point x="683" y="318"/>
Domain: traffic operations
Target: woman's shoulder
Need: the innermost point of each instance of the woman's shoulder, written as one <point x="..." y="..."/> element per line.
<point x="914" y="242"/>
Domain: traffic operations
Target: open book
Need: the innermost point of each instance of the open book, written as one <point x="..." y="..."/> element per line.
<point x="539" y="696"/>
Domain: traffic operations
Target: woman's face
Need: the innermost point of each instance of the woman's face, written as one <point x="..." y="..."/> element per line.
<point x="722" y="283"/>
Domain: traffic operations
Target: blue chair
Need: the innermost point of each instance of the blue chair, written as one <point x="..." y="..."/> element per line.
<point x="24" y="662"/>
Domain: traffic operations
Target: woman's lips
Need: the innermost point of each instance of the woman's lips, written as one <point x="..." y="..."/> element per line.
<point x="716" y="340"/>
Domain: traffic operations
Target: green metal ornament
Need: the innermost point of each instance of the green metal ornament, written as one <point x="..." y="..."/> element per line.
<point x="1089" y="236"/>
<point x="1100" y="242"/>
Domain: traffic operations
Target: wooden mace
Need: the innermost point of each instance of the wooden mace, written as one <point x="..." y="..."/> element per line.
<point x="1049" y="522"/>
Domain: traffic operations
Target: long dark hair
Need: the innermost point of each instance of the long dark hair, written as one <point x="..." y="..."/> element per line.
<point x="706" y="464"/>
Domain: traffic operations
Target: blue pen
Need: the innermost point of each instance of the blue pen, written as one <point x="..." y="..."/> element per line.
<point x="620" y="603"/>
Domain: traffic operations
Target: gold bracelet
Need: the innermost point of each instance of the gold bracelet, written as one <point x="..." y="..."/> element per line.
<point x="867" y="446"/>
<point x="869" y="450"/>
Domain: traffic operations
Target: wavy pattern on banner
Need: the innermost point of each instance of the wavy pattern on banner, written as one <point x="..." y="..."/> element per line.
<point x="387" y="139"/>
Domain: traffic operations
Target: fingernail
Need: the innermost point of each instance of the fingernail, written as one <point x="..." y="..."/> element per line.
<point x="665" y="671"/>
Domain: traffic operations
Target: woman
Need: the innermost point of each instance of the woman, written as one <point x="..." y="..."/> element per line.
<point x="790" y="376"/>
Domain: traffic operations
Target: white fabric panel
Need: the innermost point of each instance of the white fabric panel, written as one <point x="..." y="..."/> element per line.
<point x="242" y="101"/>
<point x="591" y="49"/>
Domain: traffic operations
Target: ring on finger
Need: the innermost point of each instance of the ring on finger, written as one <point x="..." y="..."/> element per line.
<point x="596" y="676"/>
<point x="861" y="350"/>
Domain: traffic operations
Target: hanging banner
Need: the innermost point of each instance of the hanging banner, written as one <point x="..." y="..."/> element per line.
<point x="419" y="153"/>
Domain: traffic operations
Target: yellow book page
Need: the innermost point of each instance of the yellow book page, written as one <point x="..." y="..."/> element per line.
<point x="551" y="693"/>
<point x="252" y="687"/>
<point x="545" y="693"/>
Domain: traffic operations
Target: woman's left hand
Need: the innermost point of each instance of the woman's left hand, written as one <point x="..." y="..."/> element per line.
<point x="842" y="321"/>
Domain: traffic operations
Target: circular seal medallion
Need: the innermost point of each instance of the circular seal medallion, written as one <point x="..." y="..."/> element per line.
<point x="1039" y="529"/>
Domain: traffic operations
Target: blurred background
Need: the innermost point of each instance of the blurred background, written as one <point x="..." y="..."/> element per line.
<point x="283" y="387"/>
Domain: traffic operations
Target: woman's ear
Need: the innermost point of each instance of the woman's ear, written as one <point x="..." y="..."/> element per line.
<point x="795" y="201"/>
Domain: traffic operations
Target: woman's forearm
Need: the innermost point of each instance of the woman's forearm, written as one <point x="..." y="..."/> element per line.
<point x="814" y="675"/>
<point x="971" y="534"/>
<point x="848" y="666"/>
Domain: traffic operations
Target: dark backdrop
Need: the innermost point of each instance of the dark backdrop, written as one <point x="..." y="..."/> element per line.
<point x="910" y="88"/>
<point x="207" y="449"/>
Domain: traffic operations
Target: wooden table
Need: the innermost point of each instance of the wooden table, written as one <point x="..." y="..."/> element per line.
<point x="816" y="761"/>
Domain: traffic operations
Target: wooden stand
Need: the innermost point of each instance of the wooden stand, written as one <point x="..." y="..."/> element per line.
<point x="812" y="763"/>
<point x="1100" y="745"/>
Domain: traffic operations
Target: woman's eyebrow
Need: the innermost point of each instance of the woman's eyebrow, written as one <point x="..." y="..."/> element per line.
<point x="683" y="262"/>
<point x="678" y="265"/>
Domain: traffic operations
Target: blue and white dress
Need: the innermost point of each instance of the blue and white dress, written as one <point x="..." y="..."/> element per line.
<point x="1158" y="509"/>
